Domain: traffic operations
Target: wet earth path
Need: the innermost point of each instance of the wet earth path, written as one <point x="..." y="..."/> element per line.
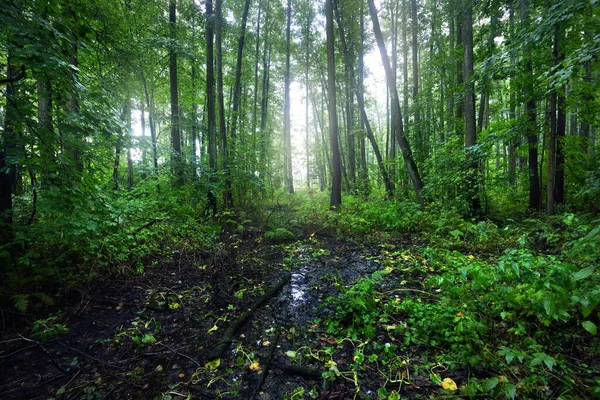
<point x="154" y="335"/>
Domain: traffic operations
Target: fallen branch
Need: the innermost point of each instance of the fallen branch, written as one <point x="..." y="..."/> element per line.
<point x="266" y="367"/>
<point x="89" y="356"/>
<point x="219" y="349"/>
<point x="181" y="354"/>
<point x="41" y="347"/>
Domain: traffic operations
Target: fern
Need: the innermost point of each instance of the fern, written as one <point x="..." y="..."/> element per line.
<point x="21" y="302"/>
<point x="280" y="235"/>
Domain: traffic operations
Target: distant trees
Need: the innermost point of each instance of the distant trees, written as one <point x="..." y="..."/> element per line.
<point x="486" y="107"/>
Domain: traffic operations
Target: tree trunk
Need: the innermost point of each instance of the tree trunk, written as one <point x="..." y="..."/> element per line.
<point x="415" y="67"/>
<point x="389" y="186"/>
<point x="403" y="143"/>
<point x="175" y="131"/>
<point x="530" y="110"/>
<point x="46" y="130"/>
<point x="287" y="137"/>
<point x="364" y="171"/>
<point x="472" y="181"/>
<point x="512" y="114"/>
<point x="336" y="172"/>
<point x="8" y="168"/>
<point x="210" y="107"/>
<point x="227" y="195"/>
<point x="307" y="83"/>
<point x="237" y="88"/>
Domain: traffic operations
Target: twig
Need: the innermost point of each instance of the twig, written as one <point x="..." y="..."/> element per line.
<point x="52" y="360"/>
<point x="17" y="352"/>
<point x="89" y="356"/>
<point x="267" y="366"/>
<point x="411" y="290"/>
<point x="220" y="348"/>
<point x="181" y="354"/>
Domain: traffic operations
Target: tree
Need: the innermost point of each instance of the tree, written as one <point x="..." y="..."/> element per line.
<point x="409" y="161"/>
<point x="175" y="129"/>
<point x="287" y="137"/>
<point x="531" y="114"/>
<point x="336" y="169"/>
<point x="472" y="181"/>
<point x="210" y="107"/>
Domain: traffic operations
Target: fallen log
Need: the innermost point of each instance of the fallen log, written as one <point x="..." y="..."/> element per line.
<point x="219" y="349"/>
<point x="266" y="367"/>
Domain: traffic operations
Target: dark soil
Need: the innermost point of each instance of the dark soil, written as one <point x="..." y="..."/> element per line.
<point x="150" y="335"/>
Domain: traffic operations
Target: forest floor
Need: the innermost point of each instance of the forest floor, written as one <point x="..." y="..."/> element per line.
<point x="245" y="321"/>
<point x="253" y="318"/>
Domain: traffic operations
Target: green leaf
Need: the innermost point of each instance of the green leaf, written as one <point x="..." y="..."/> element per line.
<point x="583" y="273"/>
<point x="148" y="339"/>
<point x="394" y="395"/>
<point x="382" y="393"/>
<point x="590" y="327"/>
<point x="491" y="383"/>
<point x="549" y="305"/>
<point x="290" y="353"/>
<point x="509" y="390"/>
<point x="214" y="364"/>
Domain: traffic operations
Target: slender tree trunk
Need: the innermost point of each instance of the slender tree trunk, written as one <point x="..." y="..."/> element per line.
<point x="256" y="63"/>
<point x="512" y="114"/>
<point x="364" y="171"/>
<point x="389" y="186"/>
<point x="227" y="195"/>
<point x="46" y="133"/>
<point x="210" y="107"/>
<point x="405" y="94"/>
<point x="307" y="83"/>
<point x="409" y="161"/>
<point x="175" y="126"/>
<point x="415" y="67"/>
<point x="152" y="123"/>
<point x="561" y="127"/>
<point x="459" y="76"/>
<point x="287" y="137"/>
<point x="336" y="173"/>
<point x="472" y="181"/>
<point x="237" y="88"/>
<point x="8" y="177"/>
<point x="129" y="136"/>
<point x="530" y="110"/>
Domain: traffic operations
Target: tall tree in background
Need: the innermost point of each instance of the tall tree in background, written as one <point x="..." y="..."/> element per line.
<point x="407" y="155"/>
<point x="336" y="165"/>
<point x="531" y="114"/>
<point x="210" y="107"/>
<point x="175" y="125"/>
<point x="227" y="193"/>
<point x="287" y="136"/>
<point x="472" y="181"/>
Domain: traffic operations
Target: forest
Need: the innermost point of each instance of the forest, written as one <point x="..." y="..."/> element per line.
<point x="277" y="199"/>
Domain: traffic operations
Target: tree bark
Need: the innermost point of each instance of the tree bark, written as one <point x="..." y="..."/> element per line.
<point x="530" y="110"/>
<point x="210" y="106"/>
<point x="175" y="128"/>
<point x="472" y="176"/>
<point x="336" y="172"/>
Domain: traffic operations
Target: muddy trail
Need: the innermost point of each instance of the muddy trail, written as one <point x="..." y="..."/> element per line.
<point x="252" y="320"/>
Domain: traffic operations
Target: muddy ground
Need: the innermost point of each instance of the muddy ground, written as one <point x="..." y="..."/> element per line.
<point x="220" y="325"/>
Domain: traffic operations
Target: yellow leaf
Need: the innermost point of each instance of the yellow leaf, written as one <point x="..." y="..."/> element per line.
<point x="213" y="329"/>
<point x="214" y="364"/>
<point x="449" y="384"/>
<point x="255" y="366"/>
<point x="266" y="343"/>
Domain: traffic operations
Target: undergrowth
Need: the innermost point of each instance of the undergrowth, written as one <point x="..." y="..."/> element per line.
<point x="91" y="236"/>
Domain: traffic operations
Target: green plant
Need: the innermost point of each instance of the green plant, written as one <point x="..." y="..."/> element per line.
<point x="280" y="235"/>
<point x="49" y="328"/>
